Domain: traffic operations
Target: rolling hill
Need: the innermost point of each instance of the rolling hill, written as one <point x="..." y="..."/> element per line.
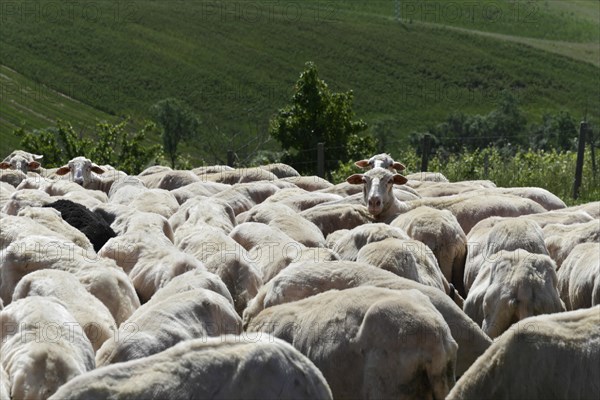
<point x="235" y="62"/>
<point x="33" y="105"/>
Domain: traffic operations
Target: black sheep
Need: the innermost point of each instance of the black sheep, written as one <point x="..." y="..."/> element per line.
<point x="94" y="227"/>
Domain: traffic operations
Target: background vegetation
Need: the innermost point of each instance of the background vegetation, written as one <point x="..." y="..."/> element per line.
<point x="516" y="75"/>
<point x="235" y="62"/>
<point x="113" y="144"/>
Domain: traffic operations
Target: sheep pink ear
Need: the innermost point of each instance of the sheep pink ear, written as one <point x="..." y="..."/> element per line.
<point x="33" y="165"/>
<point x="362" y="164"/>
<point x="398" y="166"/>
<point x="4" y="165"/>
<point x="97" y="169"/>
<point x="399" y="179"/>
<point x="356" y="179"/>
<point x="63" y="170"/>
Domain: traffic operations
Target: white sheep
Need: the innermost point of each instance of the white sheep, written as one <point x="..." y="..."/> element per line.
<point x="243" y="196"/>
<point x="495" y="234"/>
<point x="93" y="316"/>
<point x="330" y="218"/>
<point x="545" y="357"/>
<point x="224" y="257"/>
<point x="442" y="233"/>
<point x="6" y="190"/>
<point x="468" y="210"/>
<point x="198" y="189"/>
<point x="228" y="367"/>
<point x="86" y="173"/>
<point x="579" y="277"/>
<point x="410" y="259"/>
<point x="192" y="280"/>
<point x="168" y="179"/>
<point x="382" y="160"/>
<point x="378" y="192"/>
<point x="285" y="219"/>
<point x="23" y="161"/>
<point x="304" y="279"/>
<point x="369" y="342"/>
<point x="205" y="211"/>
<point x="561" y="239"/>
<point x="23" y="198"/>
<point x="240" y="175"/>
<point x="150" y="262"/>
<point x="42" y="347"/>
<point x="124" y="220"/>
<point x="513" y="286"/>
<point x="280" y="170"/>
<point x="348" y="245"/>
<point x="100" y="276"/>
<point x="160" y="324"/>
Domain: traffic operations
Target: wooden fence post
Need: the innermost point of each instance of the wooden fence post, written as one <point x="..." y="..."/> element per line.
<point x="593" y="151"/>
<point x="486" y="165"/>
<point x="425" y="152"/>
<point x="580" y="154"/>
<point x="230" y="158"/>
<point x="321" y="160"/>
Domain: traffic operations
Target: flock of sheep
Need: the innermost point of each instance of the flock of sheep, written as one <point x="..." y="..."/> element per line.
<point x="261" y="283"/>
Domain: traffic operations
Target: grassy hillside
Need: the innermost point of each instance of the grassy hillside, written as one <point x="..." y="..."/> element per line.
<point x="235" y="62"/>
<point x="28" y="104"/>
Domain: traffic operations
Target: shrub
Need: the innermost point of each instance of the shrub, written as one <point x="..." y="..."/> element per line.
<point x="113" y="144"/>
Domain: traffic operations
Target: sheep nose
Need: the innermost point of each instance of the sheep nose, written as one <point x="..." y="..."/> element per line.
<point x="375" y="202"/>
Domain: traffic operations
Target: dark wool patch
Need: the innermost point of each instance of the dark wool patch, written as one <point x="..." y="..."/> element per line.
<point x="94" y="227"/>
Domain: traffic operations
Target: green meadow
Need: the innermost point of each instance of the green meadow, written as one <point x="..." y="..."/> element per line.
<point x="409" y="64"/>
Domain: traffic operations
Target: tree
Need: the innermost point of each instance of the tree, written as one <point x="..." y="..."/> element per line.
<point x="507" y="122"/>
<point x="112" y="144"/>
<point x="505" y="126"/>
<point x="178" y="122"/>
<point x="557" y="131"/>
<point x="316" y="115"/>
<point x="58" y="144"/>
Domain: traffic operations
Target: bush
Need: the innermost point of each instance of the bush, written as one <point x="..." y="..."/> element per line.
<point x="112" y="144"/>
<point x="552" y="170"/>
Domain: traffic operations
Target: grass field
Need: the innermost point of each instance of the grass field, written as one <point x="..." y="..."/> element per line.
<point x="235" y="62"/>
<point x="28" y="104"/>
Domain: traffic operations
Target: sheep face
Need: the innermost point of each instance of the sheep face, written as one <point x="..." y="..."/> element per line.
<point x="81" y="170"/>
<point x="19" y="163"/>
<point x="382" y="160"/>
<point x="378" y="188"/>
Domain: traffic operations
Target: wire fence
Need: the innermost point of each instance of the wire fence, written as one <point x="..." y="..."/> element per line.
<point x="317" y="159"/>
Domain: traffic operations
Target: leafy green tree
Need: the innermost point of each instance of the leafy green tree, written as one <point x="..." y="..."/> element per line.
<point x="507" y="122"/>
<point x="317" y="115"/>
<point x="178" y="122"/>
<point x="506" y="125"/>
<point x="58" y="144"/>
<point x="558" y="132"/>
<point x="113" y="144"/>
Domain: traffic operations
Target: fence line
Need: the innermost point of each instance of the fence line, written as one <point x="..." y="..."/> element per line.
<point x="579" y="165"/>
<point x="319" y="153"/>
